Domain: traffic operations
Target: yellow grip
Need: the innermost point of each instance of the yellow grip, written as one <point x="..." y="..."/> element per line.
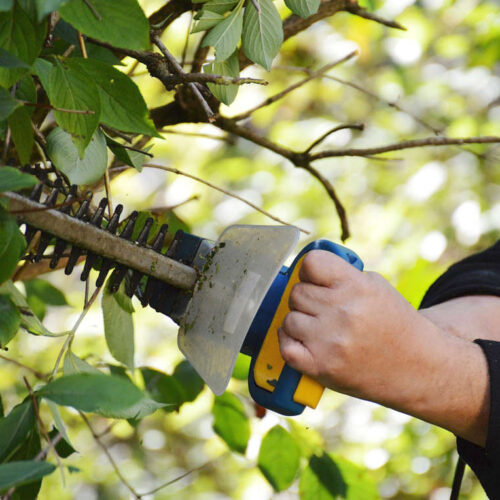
<point x="269" y="363"/>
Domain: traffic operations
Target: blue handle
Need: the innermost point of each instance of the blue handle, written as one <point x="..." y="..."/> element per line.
<point x="281" y="399"/>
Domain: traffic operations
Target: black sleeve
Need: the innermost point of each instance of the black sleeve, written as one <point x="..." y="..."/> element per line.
<point x="478" y="274"/>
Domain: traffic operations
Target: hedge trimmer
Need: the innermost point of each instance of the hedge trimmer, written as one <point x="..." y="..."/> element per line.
<point x="227" y="296"/>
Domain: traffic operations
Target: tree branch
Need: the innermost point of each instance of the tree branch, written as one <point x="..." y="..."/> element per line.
<point x="175" y="66"/>
<point x="319" y="140"/>
<point x="283" y="93"/>
<point x="414" y="143"/>
<point x="209" y="78"/>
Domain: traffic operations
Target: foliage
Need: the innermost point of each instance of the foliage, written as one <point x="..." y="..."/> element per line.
<point x="89" y="89"/>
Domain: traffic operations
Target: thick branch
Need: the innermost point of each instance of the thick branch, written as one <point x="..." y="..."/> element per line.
<point x="209" y="78"/>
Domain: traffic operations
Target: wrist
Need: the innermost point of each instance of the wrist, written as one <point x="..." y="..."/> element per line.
<point x="447" y="383"/>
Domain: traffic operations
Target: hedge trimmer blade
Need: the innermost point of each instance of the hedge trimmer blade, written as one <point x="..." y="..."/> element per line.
<point x="213" y="290"/>
<point x="232" y="285"/>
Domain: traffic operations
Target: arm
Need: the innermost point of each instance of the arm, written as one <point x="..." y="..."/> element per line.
<point x="356" y="334"/>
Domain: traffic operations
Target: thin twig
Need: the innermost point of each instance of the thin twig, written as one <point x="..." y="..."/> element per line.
<point x="81" y="42"/>
<point x="169" y="208"/>
<point x="228" y="193"/>
<point x="97" y="439"/>
<point x="361" y="12"/>
<point x="55" y="108"/>
<point x="107" y="188"/>
<point x="71" y="334"/>
<point x="6" y="146"/>
<point x="369" y="93"/>
<point x="178" y="69"/>
<point x="355" y="126"/>
<point x="194" y="134"/>
<point x="172" y="481"/>
<point x="68" y="51"/>
<point x="283" y="93"/>
<point x="414" y="143"/>
<point x="344" y="224"/>
<point x="93" y="10"/>
<point x="131" y="72"/>
<point x="42" y="427"/>
<point x="36" y="373"/>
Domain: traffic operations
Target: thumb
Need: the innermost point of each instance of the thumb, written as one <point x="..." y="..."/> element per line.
<point x="323" y="268"/>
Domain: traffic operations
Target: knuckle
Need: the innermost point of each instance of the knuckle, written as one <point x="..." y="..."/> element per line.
<point x="290" y="322"/>
<point x="296" y="294"/>
<point x="287" y="353"/>
<point x="309" y="264"/>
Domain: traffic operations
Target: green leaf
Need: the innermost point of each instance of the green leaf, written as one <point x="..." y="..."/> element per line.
<point x="303" y="8"/>
<point x="174" y="390"/>
<point x="7" y="104"/>
<point x="58" y="421"/>
<point x="6" y="5"/>
<point x="42" y="69"/>
<point x="73" y="364"/>
<point x="39" y="293"/>
<point x="129" y="157"/>
<point x="65" y="157"/>
<point x="279" y="458"/>
<point x="12" y="245"/>
<point x="26" y="91"/>
<point x="14" y="429"/>
<point x="329" y="478"/>
<point x="242" y="367"/>
<point x="219" y="6"/>
<point x="21" y="37"/>
<point x="23" y="472"/>
<point x="206" y="20"/>
<point x="46" y="291"/>
<point x="28" y="320"/>
<point x="8" y="60"/>
<point x="106" y="395"/>
<point x="231" y="422"/>
<point x="11" y="320"/>
<point x="122" y="105"/>
<point x="22" y="133"/>
<point x="118" y="327"/>
<point x="63" y="448"/>
<point x="164" y="388"/>
<point x="12" y="179"/>
<point x="224" y="36"/>
<point x="189" y="379"/>
<point x="262" y="33"/>
<point x="44" y="7"/>
<point x="122" y="23"/>
<point x="72" y="89"/>
<point x="229" y="67"/>
<point x="28" y="451"/>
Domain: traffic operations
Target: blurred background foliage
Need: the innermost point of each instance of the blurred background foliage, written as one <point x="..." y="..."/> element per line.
<point x="411" y="214"/>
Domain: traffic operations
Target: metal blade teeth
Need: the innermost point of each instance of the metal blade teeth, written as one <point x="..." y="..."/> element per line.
<point x="69" y="204"/>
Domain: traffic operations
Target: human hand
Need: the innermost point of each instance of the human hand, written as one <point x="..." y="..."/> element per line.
<point x="354" y="333"/>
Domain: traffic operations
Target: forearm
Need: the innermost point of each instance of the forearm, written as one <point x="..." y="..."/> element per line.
<point x="465" y="319"/>
<point x="446" y="383"/>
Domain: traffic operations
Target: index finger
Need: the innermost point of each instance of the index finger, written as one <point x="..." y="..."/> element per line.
<point x="323" y="268"/>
